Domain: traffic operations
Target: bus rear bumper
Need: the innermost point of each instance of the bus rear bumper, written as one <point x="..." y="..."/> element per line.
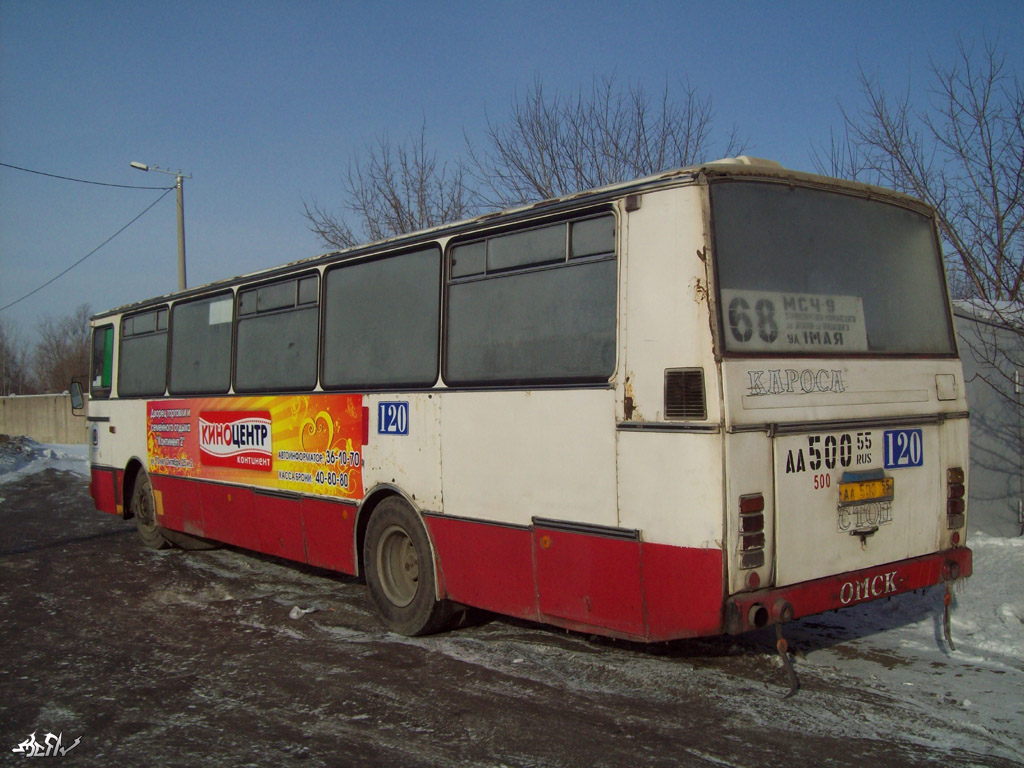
<point x="746" y="611"/>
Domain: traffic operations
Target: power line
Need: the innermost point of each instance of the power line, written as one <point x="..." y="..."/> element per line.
<point x="80" y="181"/>
<point x="167" y="191"/>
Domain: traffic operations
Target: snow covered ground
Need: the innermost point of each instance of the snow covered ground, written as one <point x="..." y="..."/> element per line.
<point x="897" y="649"/>
<point x="880" y="668"/>
<point x="20" y="456"/>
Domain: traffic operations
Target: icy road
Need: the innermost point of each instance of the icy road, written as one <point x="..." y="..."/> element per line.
<point x="226" y="659"/>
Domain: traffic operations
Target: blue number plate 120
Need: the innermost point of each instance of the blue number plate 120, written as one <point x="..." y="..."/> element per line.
<point x="903" y="448"/>
<point x="393" y="418"/>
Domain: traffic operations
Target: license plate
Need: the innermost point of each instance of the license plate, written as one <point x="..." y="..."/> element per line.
<point x="866" y="490"/>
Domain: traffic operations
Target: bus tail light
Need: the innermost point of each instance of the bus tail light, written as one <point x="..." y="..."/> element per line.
<point x="751" y="531"/>
<point x="955" y="502"/>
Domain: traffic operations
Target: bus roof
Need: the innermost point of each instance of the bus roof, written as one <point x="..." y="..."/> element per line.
<point x="739" y="167"/>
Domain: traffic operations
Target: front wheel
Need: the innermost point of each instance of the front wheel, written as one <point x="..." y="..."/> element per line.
<point x="399" y="569"/>
<point x="143" y="509"/>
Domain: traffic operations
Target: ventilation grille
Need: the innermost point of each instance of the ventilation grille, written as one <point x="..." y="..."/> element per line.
<point x="684" y="394"/>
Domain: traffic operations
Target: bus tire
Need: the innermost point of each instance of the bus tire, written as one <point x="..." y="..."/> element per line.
<point x="143" y="509"/>
<point x="399" y="571"/>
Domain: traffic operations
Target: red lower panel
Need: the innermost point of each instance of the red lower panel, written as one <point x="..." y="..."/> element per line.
<point x="103" y="489"/>
<point x="229" y="516"/>
<point x="590" y="580"/>
<point x="279" y="525"/>
<point x="329" y="533"/>
<point x="682" y="591"/>
<point x="485" y="565"/>
<point x="309" y="530"/>
<point x="178" y="505"/>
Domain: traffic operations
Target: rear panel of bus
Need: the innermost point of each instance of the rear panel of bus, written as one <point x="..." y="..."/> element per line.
<point x="844" y="403"/>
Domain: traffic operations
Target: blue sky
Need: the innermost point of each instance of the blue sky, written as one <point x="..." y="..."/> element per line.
<point x="264" y="103"/>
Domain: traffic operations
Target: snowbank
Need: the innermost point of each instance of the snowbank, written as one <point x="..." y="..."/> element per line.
<point x="20" y="456"/>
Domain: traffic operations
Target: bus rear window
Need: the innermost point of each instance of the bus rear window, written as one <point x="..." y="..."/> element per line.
<point x="805" y="271"/>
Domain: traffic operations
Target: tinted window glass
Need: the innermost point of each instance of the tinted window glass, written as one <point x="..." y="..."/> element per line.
<point x="802" y="270"/>
<point x="534" y="246"/>
<point x="247" y="302"/>
<point x="276" y="296"/>
<point x="550" y="325"/>
<point x="277" y="351"/>
<point x="142" y="364"/>
<point x="593" y="237"/>
<point x="469" y="259"/>
<point x="309" y="290"/>
<point x="381" y="322"/>
<point x="201" y="346"/>
<point x="277" y="344"/>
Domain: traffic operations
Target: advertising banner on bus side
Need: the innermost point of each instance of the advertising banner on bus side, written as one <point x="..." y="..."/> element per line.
<point x="304" y="443"/>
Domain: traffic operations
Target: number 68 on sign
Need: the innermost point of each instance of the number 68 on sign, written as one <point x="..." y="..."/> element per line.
<point x="767" y="321"/>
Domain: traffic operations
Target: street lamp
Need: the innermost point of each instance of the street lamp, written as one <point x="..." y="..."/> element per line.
<point x="180" y="186"/>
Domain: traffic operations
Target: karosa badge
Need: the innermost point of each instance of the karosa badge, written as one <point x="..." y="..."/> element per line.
<point x="239" y="439"/>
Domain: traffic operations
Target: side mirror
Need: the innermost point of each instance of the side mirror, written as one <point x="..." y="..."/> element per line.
<point x="77" y="399"/>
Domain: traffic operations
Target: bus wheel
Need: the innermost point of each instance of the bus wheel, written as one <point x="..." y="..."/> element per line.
<point x="143" y="508"/>
<point x="400" y="571"/>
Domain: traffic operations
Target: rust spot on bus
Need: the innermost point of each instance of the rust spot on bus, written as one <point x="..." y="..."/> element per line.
<point x="629" y="409"/>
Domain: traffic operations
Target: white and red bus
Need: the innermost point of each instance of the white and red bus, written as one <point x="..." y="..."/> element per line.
<point x="704" y="402"/>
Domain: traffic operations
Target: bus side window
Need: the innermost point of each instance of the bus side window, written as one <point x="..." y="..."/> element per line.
<point x="101" y="381"/>
<point x="201" y="346"/>
<point x="142" y="362"/>
<point x="277" y="338"/>
<point x="542" y="311"/>
<point x="381" y="322"/>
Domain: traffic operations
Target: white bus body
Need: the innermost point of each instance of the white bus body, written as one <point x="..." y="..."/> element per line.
<point x="731" y="399"/>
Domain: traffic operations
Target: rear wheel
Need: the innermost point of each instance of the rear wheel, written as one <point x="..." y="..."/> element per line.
<point x="143" y="509"/>
<point x="399" y="569"/>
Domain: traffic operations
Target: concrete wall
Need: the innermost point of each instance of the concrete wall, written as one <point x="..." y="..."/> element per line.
<point x="44" y="418"/>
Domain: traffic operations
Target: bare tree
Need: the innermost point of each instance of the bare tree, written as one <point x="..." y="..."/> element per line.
<point x="548" y="146"/>
<point x="14" y="365"/>
<point x="391" y="190"/>
<point x="553" y="145"/>
<point x="962" y="152"/>
<point x="62" y="353"/>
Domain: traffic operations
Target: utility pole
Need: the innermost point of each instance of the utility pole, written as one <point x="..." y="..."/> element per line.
<point x="179" y="185"/>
